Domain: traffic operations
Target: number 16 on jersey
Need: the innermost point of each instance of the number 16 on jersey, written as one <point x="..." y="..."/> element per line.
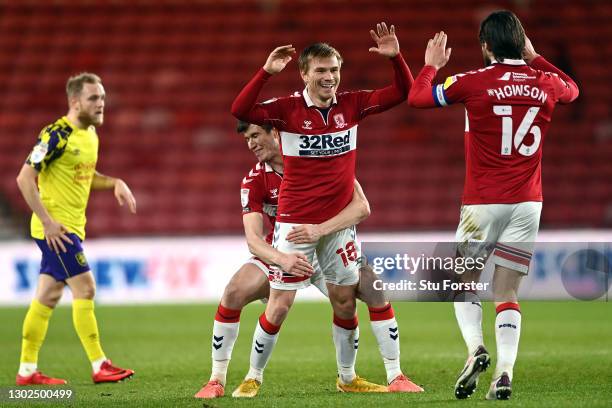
<point x="526" y="126"/>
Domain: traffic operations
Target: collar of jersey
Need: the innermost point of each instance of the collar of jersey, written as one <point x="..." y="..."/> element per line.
<point x="309" y="101"/>
<point x="508" y="61"/>
<point x="269" y="169"/>
<point x="65" y="118"/>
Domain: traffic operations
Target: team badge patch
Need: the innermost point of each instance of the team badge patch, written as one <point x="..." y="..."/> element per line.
<point x="339" y="119"/>
<point x="244" y="196"/>
<point x="39" y="152"/>
<point x="80" y="258"/>
<point x="277" y="275"/>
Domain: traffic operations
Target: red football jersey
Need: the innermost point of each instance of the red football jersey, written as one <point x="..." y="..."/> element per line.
<point x="508" y="106"/>
<point x="318" y="152"/>
<point x="259" y="193"/>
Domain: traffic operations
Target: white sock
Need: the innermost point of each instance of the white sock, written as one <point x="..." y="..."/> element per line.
<point x="223" y="340"/>
<point x="347" y="343"/>
<point x="263" y="344"/>
<point x="27" y="369"/>
<point x="387" y="337"/>
<point x="507" y="334"/>
<point x="96" y="364"/>
<point x="469" y="318"/>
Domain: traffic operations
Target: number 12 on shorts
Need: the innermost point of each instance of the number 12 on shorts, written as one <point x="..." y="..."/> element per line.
<point x="348" y="253"/>
<point x="505" y="111"/>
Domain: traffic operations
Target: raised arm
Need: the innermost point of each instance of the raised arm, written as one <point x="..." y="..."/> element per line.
<point x="294" y="263"/>
<point x="245" y="105"/>
<point x="567" y="89"/>
<point x="355" y="212"/>
<point x="387" y="45"/>
<point x="436" y="56"/>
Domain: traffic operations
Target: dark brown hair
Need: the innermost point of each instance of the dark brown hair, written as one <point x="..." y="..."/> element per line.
<point x="504" y="35"/>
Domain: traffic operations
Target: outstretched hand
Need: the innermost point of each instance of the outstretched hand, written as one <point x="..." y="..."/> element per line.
<point x="386" y="41"/>
<point x="278" y="59"/>
<point x="436" y="54"/>
<point x="123" y="194"/>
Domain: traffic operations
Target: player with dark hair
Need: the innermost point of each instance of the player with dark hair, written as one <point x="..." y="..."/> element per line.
<point x="64" y="161"/>
<point x="259" y="198"/>
<point x="509" y="105"/>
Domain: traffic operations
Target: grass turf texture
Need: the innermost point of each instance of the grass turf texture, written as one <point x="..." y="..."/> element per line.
<point x="565" y="356"/>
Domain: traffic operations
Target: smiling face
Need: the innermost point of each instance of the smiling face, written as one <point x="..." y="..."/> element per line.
<point x="263" y="144"/>
<point x="322" y="77"/>
<point x="89" y="104"/>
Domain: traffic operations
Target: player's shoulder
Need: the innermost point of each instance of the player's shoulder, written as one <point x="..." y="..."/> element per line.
<point x="55" y="135"/>
<point x="475" y="75"/>
<point x="284" y="100"/>
<point x="351" y="97"/>
<point x="256" y="173"/>
<point x="60" y="129"/>
<point x="546" y="76"/>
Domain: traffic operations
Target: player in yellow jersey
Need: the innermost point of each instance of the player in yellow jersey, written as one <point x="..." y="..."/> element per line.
<point x="64" y="161"/>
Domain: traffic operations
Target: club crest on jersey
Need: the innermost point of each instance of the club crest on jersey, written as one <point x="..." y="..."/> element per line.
<point x="80" y="258"/>
<point x="307" y="124"/>
<point x="274" y="193"/>
<point x="277" y="274"/>
<point x="339" y="119"/>
<point x="39" y="152"/>
<point x="244" y="196"/>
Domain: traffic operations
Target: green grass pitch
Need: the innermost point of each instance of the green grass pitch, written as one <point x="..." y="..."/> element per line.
<point x="565" y="356"/>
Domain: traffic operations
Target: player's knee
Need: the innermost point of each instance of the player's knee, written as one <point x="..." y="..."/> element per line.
<point x="278" y="309"/>
<point x="49" y="299"/>
<point x="345" y="306"/>
<point x="277" y="313"/>
<point x="84" y="292"/>
<point x="233" y="297"/>
<point x="49" y="295"/>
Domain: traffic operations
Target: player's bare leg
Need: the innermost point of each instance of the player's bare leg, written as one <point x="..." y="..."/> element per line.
<point x="506" y="282"/>
<point x="468" y="311"/>
<point x="83" y="289"/>
<point x="48" y="293"/>
<point x="247" y="285"/>
<point x="346" y="339"/>
<point x="386" y="331"/>
<point x="264" y="339"/>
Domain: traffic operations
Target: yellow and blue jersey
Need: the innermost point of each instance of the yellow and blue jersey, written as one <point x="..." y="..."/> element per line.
<point x="65" y="158"/>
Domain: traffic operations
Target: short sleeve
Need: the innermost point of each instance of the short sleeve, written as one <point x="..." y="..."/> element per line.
<point x="252" y="193"/>
<point x="50" y="145"/>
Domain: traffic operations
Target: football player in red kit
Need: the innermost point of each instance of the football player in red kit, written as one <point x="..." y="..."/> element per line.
<point x="509" y="105"/>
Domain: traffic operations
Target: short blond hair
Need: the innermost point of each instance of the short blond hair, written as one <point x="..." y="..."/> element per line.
<point x="75" y="83"/>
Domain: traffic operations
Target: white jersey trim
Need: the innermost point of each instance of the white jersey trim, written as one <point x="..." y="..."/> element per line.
<point x="309" y="101"/>
<point x="509" y="61"/>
